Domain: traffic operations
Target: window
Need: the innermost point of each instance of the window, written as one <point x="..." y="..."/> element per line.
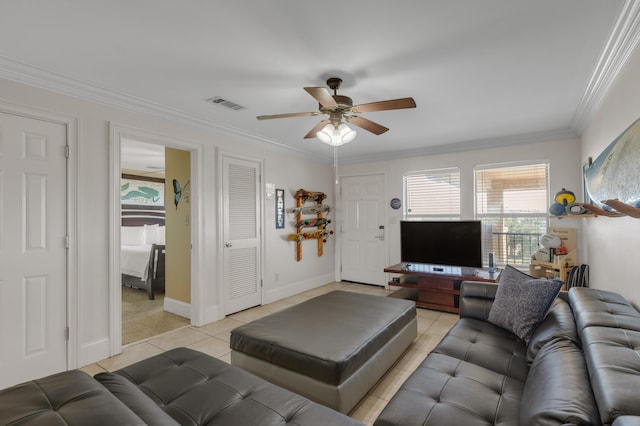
<point x="512" y="202"/>
<point x="432" y="194"/>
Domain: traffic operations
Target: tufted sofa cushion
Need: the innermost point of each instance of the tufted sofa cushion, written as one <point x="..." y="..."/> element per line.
<point x="432" y="395"/>
<point x="68" y="398"/>
<point x="471" y="340"/>
<point x="602" y="308"/>
<point x="196" y="389"/>
<point x="135" y="399"/>
<point x="613" y="358"/>
<point x="558" y="323"/>
<point x="557" y="390"/>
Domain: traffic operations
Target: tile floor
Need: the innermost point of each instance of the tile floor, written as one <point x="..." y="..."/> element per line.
<point x="213" y="339"/>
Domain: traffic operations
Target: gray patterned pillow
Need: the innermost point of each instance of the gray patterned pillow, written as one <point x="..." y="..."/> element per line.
<point x="522" y="301"/>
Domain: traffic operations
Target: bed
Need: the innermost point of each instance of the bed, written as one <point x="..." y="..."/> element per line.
<point x="142" y="248"/>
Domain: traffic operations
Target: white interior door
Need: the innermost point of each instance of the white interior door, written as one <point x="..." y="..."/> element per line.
<point x="33" y="280"/>
<point x="242" y="240"/>
<point x="363" y="246"/>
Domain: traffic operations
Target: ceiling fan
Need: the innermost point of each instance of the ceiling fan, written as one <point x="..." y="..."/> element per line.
<point x="340" y="108"/>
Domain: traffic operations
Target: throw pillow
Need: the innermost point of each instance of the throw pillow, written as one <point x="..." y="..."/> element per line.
<point x="522" y="301"/>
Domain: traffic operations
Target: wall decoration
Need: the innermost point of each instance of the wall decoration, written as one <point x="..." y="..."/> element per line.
<point x="612" y="179"/>
<point x="141" y="190"/>
<point x="319" y="222"/>
<point x="279" y="208"/>
<point x="395" y="203"/>
<point x="180" y="192"/>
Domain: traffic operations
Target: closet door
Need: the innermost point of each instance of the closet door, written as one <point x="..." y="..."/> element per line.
<point x="241" y="234"/>
<point x="33" y="255"/>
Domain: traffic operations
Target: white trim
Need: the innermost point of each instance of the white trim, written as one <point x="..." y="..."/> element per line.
<point x="298" y="287"/>
<point x="198" y="291"/>
<point x="14" y="70"/>
<point x="624" y="39"/>
<point x="74" y="296"/>
<point x="177" y="307"/>
<point x="470" y="145"/>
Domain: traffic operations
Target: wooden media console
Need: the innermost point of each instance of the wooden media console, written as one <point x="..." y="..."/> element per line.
<point x="438" y="286"/>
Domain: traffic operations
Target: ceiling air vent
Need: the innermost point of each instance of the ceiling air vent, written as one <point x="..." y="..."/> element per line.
<point x="221" y="101"/>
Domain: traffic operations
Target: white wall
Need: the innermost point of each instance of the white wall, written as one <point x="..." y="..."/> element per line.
<point x="287" y="170"/>
<point x="563" y="157"/>
<point x="614" y="243"/>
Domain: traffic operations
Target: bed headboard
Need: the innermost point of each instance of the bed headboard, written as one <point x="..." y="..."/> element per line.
<point x="134" y="215"/>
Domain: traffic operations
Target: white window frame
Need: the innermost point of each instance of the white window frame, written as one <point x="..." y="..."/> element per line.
<point x="427" y="216"/>
<point x="505" y="257"/>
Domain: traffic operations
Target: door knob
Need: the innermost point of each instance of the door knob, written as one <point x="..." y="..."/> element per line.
<point x="227" y="244"/>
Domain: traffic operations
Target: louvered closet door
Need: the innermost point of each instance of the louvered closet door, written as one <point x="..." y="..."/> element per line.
<point x="242" y="256"/>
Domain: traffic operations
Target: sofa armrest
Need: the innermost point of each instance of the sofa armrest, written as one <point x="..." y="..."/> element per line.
<point x="476" y="299"/>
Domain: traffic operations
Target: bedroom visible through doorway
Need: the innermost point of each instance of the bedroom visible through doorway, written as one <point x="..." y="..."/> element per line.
<point x="155" y="227"/>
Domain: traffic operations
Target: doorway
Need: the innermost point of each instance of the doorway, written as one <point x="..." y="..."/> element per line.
<point x="155" y="239"/>
<point x="194" y="152"/>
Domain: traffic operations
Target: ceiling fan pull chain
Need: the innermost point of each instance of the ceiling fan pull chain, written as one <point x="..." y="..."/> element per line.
<point x="335" y="163"/>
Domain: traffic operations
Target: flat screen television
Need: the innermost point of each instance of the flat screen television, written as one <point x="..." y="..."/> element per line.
<point x="450" y="243"/>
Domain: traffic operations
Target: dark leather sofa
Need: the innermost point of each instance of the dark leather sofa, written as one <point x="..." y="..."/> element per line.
<point x="178" y="387"/>
<point x="581" y="367"/>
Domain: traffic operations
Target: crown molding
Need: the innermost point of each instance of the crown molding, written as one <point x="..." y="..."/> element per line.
<point x="13" y="70"/>
<point x="624" y="39"/>
<point x="559" y="135"/>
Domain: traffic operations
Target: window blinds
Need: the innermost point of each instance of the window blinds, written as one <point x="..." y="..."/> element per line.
<point x="433" y="194"/>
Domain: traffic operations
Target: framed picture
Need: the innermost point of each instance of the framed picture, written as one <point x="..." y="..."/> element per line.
<point x="141" y="190"/>
<point x="279" y="208"/>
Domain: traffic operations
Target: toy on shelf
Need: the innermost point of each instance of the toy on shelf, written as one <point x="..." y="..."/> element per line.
<point x="319" y="222"/>
<point x="557" y="255"/>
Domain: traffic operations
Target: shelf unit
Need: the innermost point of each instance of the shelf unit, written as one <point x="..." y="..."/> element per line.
<point x="319" y="222"/>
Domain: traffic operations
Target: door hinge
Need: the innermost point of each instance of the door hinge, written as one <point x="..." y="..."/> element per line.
<point x="66" y="151"/>
<point x="66" y="242"/>
<point x="261" y="283"/>
<point x="66" y="333"/>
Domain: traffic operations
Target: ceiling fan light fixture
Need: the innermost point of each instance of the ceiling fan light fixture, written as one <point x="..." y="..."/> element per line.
<point x="336" y="136"/>
<point x="347" y="134"/>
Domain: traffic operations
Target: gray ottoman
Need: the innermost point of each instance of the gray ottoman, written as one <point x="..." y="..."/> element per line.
<point x="331" y="349"/>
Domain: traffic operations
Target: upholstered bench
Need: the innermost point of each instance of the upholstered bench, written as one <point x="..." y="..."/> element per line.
<point x="331" y="349"/>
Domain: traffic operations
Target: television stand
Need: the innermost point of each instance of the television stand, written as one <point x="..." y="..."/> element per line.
<point x="438" y="286"/>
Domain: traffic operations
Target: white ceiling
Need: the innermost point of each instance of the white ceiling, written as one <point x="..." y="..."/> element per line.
<point x="482" y="72"/>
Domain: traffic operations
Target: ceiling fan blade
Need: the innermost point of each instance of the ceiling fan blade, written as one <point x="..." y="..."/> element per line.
<point x="369" y="125"/>
<point x="323" y="96"/>
<point x="293" y="114"/>
<point x="316" y="129"/>
<point x="385" y="105"/>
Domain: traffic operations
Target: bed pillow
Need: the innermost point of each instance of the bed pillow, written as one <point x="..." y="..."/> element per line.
<point x="522" y="301"/>
<point x="151" y="234"/>
<point x="132" y="236"/>
<point x="161" y="235"/>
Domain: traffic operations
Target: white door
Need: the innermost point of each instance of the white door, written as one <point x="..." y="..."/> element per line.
<point x="241" y="234"/>
<point x="362" y="238"/>
<point x="33" y="280"/>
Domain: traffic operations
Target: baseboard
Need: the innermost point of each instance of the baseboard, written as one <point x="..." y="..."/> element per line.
<point x="297" y="287"/>
<point x="211" y="314"/>
<point x="94" y="351"/>
<point x="177" y="307"/>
